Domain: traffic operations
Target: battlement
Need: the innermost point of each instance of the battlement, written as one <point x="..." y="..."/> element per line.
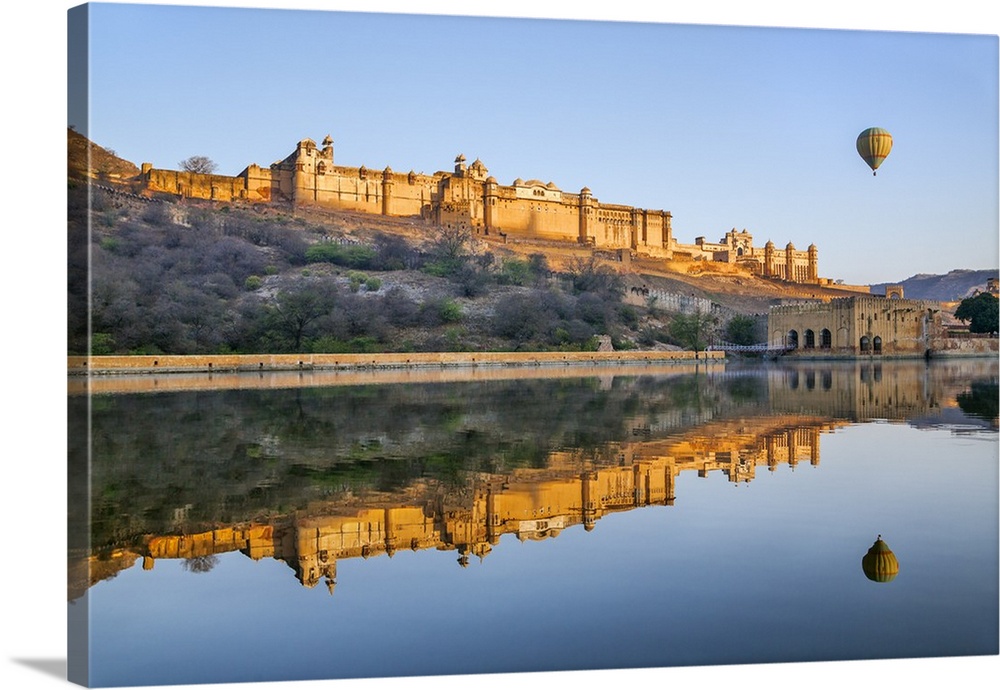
<point x="469" y="197"/>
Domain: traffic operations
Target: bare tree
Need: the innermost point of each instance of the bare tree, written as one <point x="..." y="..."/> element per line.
<point x="200" y="564"/>
<point x="198" y="164"/>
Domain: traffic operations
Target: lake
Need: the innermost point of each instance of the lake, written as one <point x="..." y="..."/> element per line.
<point x="306" y="526"/>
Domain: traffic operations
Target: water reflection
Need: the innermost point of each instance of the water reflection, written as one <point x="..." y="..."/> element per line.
<point x="313" y="475"/>
<point x="880" y="564"/>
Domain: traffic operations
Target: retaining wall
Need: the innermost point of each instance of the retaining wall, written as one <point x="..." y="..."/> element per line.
<point x="145" y="364"/>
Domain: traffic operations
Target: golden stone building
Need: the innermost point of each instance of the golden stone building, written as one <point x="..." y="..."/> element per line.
<point x="469" y="196"/>
<point x="737" y="248"/>
<point x="859" y="325"/>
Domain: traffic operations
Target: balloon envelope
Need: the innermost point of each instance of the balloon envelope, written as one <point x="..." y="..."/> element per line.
<point x="874" y="145"/>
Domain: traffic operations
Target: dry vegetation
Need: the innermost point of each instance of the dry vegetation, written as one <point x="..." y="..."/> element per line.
<point x="191" y="277"/>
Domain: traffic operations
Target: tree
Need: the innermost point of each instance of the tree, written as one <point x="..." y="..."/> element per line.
<point x="590" y="275"/>
<point x="692" y="330"/>
<point x="741" y="330"/>
<point x="292" y="311"/>
<point x="449" y="252"/>
<point x="198" y="164"/>
<point x="200" y="564"/>
<point x="980" y="312"/>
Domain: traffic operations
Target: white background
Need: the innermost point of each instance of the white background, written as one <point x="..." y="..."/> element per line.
<point x="33" y="276"/>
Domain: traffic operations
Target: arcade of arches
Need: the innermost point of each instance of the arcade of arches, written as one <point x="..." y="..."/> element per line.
<point x="869" y="325"/>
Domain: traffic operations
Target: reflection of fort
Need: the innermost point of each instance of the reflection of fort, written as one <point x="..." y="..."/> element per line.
<point x="867" y="390"/>
<point x="733" y="423"/>
<point x="574" y="488"/>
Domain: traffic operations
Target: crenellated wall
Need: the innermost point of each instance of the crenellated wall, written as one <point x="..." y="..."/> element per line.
<point x="469" y="197"/>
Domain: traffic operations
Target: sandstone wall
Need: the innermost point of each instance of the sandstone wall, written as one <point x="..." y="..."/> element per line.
<point x="169" y="363"/>
<point x="198" y="186"/>
<point x="550" y="219"/>
<point x="856" y="325"/>
<point x="965" y="346"/>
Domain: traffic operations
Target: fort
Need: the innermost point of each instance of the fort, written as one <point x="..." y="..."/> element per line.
<point x="468" y="196"/>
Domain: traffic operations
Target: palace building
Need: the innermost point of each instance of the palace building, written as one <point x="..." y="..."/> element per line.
<point x="857" y="325"/>
<point x="469" y="196"/>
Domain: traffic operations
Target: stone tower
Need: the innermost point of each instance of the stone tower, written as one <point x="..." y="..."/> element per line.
<point x="769" y="259"/>
<point x="387" y="191"/>
<point x="586" y="212"/>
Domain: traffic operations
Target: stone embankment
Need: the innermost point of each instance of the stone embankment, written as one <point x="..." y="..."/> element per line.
<point x="163" y="364"/>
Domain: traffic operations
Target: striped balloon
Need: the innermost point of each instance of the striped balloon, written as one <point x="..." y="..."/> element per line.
<point x="874" y="145"/>
<point x="880" y="564"/>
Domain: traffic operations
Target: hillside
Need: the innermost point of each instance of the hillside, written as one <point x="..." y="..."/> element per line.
<point x="103" y="162"/>
<point x="950" y="287"/>
<point x="185" y="276"/>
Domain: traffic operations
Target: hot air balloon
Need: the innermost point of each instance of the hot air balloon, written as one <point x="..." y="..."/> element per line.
<point x="880" y="564"/>
<point x="874" y="145"/>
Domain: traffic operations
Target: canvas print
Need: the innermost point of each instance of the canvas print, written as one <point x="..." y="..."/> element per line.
<point x="408" y="345"/>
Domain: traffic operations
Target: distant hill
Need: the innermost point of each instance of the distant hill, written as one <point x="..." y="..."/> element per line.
<point x="950" y="287"/>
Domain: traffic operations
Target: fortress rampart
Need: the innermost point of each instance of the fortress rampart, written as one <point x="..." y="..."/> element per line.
<point x="469" y="197"/>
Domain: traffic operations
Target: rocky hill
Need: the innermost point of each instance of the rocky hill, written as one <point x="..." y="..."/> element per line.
<point x="950" y="287"/>
<point x="102" y="161"/>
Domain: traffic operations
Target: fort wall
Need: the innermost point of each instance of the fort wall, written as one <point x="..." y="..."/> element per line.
<point x="971" y="345"/>
<point x="197" y="185"/>
<point x="469" y="197"/>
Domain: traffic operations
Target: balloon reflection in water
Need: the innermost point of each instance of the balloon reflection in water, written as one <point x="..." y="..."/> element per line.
<point x="880" y="564"/>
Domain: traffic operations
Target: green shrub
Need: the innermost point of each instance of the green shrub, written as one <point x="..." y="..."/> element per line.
<point x="514" y="272"/>
<point x="102" y="344"/>
<point x="450" y="311"/>
<point x="253" y="282"/>
<point x="355" y="280"/>
<point x="352" y="256"/>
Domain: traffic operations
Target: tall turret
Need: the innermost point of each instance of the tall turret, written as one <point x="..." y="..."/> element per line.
<point x="327" y="152"/>
<point x="304" y="172"/>
<point x="769" y="259"/>
<point x="490" y="189"/>
<point x="813" y="262"/>
<point x="386" y="191"/>
<point x="586" y="212"/>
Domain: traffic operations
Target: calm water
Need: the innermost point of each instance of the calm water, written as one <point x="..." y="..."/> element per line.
<point x="708" y="516"/>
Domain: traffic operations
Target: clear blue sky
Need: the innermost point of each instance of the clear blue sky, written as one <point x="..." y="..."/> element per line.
<point x="723" y="126"/>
